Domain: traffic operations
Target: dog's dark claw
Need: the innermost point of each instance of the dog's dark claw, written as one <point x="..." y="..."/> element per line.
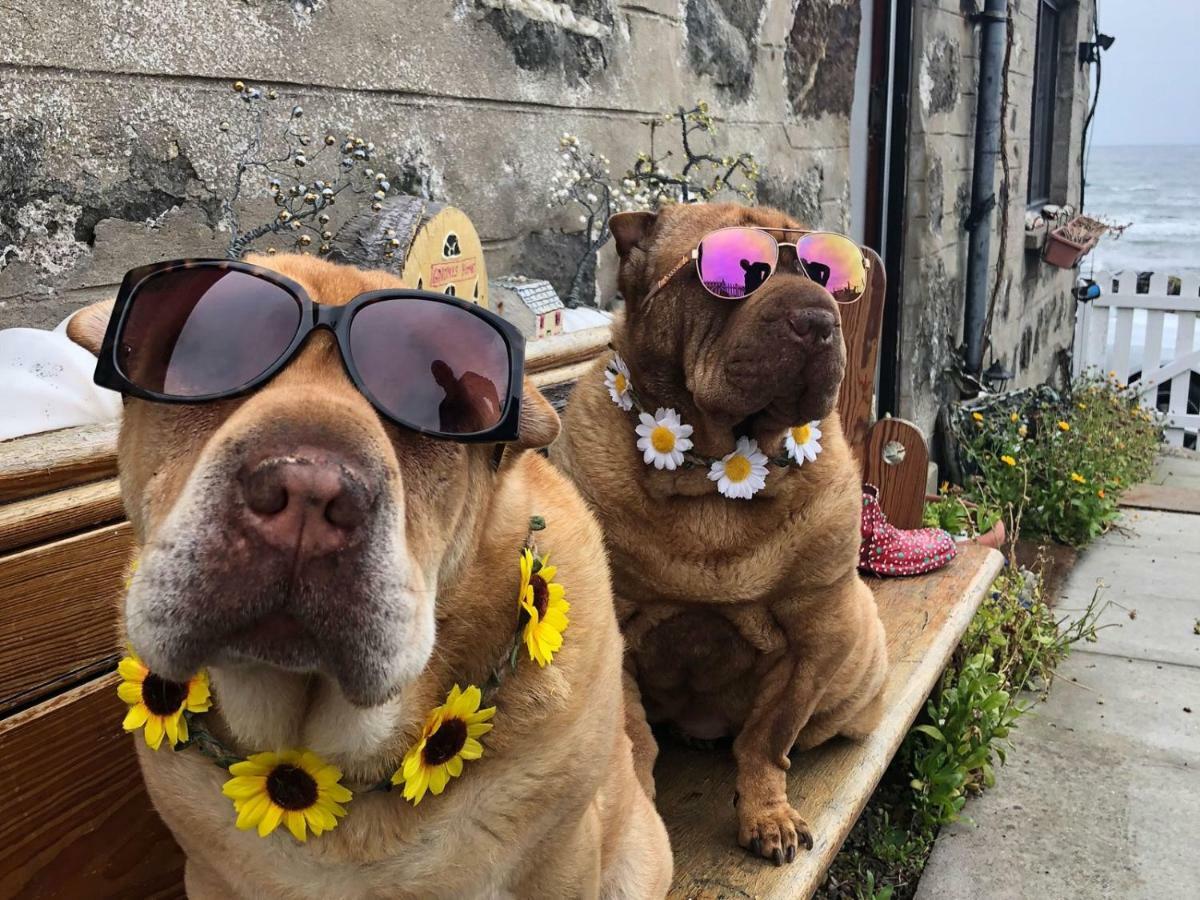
<point x="777" y="856"/>
<point x="756" y="846"/>
<point x="736" y="798"/>
<point x="808" y="841"/>
<point x="791" y="853"/>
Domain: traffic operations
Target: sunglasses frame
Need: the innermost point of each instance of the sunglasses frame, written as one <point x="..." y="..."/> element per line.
<point x="313" y="317"/>
<point x="800" y="234"/>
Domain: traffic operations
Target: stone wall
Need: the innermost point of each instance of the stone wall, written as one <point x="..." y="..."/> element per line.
<point x="112" y="152"/>
<point x="1033" y="316"/>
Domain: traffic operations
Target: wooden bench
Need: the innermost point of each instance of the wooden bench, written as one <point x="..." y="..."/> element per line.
<point x="77" y="821"/>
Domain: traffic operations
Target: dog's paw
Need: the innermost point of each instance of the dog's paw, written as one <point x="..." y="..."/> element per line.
<point x="774" y="831"/>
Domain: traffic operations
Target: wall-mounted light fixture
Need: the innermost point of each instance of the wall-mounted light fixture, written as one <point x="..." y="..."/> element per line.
<point x="1089" y="51"/>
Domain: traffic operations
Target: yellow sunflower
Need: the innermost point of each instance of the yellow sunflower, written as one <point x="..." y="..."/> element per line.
<point x="451" y="734"/>
<point x="157" y="704"/>
<point x="544" y="608"/>
<point x="295" y="788"/>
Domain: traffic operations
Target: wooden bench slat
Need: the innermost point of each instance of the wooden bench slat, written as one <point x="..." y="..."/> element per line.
<point x="925" y="618"/>
<point x="24" y="523"/>
<point x="58" y="613"/>
<point x="77" y="821"/>
<point x="48" y="462"/>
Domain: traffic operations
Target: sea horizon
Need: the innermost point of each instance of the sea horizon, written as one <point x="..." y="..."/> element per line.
<point x="1156" y="189"/>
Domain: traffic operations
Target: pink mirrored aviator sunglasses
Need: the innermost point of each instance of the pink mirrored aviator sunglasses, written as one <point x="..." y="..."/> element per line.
<point x="735" y="262"/>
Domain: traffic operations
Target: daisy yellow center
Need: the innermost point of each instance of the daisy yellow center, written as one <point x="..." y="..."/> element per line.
<point x="662" y="439"/>
<point x="291" y="787"/>
<point x="620" y="383"/>
<point x="162" y="697"/>
<point x="541" y="595"/>
<point x="738" y="468"/>
<point x="443" y="744"/>
<point x="801" y="433"/>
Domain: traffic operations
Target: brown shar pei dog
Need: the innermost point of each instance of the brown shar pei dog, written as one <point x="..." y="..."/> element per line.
<point x="334" y="618"/>
<point x="743" y="617"/>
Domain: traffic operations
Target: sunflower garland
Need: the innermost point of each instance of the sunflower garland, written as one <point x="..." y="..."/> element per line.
<point x="156" y="705"/>
<point x="299" y="790"/>
<point x="295" y="788"/>
<point x="665" y="442"/>
<point x="451" y="735"/>
<point x="543" y="608"/>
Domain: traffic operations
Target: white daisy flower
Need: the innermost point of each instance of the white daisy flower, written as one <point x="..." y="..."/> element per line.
<point x="743" y="473"/>
<point x="616" y="379"/>
<point x="803" y="442"/>
<point x="662" y="438"/>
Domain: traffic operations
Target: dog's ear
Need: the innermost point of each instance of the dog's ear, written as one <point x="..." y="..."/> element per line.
<point x="87" y="327"/>
<point x="539" y="421"/>
<point x="629" y="228"/>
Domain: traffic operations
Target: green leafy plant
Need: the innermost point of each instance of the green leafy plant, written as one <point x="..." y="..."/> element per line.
<point x="1057" y="467"/>
<point x="951" y="512"/>
<point x="1013" y="645"/>
<point x="969" y="720"/>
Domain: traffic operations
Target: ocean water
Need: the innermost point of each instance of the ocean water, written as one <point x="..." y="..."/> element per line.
<point x="1158" y="190"/>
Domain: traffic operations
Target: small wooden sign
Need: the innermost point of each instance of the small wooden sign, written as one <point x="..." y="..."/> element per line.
<point x="433" y="247"/>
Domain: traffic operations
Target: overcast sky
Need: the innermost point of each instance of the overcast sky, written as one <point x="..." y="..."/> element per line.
<point x="1150" y="88"/>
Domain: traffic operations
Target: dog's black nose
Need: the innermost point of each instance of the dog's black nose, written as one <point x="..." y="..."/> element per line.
<point x="813" y="325"/>
<point x="310" y="502"/>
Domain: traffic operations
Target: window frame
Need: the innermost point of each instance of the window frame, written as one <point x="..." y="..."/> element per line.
<point x="1040" y="182"/>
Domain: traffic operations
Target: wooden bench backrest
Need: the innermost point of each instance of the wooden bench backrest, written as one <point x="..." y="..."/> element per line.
<point x="862" y="324"/>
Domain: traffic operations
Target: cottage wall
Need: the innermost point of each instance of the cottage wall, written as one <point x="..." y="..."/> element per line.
<point x="112" y="152"/>
<point x="1033" y="315"/>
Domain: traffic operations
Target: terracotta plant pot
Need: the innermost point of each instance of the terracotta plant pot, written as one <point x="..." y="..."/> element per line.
<point x="1063" y="252"/>
<point x="994" y="537"/>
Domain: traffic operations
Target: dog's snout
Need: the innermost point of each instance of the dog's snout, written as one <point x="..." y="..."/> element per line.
<point x="813" y="325"/>
<point x="310" y="503"/>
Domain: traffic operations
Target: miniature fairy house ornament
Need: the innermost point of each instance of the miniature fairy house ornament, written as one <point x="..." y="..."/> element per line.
<point x="433" y="247"/>
<point x="529" y="303"/>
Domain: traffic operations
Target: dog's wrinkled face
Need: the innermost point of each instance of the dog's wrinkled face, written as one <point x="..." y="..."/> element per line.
<point x="293" y="527"/>
<point x="758" y="365"/>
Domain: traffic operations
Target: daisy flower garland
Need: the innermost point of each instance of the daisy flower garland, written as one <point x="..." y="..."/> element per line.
<point x="803" y="442"/>
<point x="616" y="379"/>
<point x="741" y="474"/>
<point x="663" y="439"/>
<point x="299" y="790"/>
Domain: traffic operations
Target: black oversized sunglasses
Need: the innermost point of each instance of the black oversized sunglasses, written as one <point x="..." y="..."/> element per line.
<point x="192" y="331"/>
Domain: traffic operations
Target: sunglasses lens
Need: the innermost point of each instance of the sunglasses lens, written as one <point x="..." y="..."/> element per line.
<point x="431" y="365"/>
<point x="836" y="263"/>
<point x="206" y="330"/>
<point x="734" y="262"/>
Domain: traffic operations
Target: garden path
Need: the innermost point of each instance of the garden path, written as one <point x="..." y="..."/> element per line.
<point x="1101" y="795"/>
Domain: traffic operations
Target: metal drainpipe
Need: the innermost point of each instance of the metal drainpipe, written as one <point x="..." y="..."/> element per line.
<point x="994" y="19"/>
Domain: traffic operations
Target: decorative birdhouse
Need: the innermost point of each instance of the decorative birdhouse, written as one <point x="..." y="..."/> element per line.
<point x="529" y="303"/>
<point x="433" y="247"/>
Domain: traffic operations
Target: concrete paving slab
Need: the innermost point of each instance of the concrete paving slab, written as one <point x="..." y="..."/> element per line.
<point x="1162" y="586"/>
<point x="1072" y="822"/>
<point x="1101" y="796"/>
<point x="1129" y="572"/>
<point x="1126" y="706"/>
<point x="1178" y="470"/>
<point x="1155" y="532"/>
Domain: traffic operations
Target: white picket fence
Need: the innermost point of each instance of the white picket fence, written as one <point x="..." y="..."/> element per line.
<point x="1148" y="340"/>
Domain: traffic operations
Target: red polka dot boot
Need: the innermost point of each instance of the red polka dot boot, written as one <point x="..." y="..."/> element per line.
<point x="887" y="551"/>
